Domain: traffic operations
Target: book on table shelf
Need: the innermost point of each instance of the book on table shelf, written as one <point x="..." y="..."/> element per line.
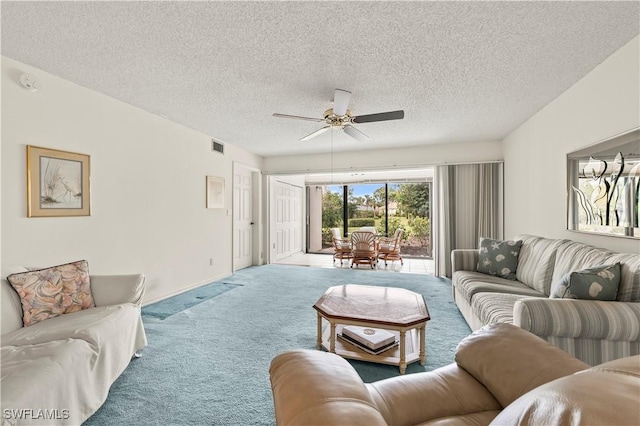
<point x="371" y="339"/>
<point x="365" y="348"/>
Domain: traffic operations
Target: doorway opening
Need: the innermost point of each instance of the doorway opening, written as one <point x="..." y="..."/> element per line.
<point x="385" y="206"/>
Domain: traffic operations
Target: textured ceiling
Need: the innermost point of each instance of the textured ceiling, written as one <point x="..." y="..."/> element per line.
<point x="462" y="71"/>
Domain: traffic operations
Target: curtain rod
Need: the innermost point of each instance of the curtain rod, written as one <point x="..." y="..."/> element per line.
<point x="375" y="168"/>
<point x="368" y="181"/>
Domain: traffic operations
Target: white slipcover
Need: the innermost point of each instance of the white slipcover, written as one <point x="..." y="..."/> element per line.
<point x="59" y="371"/>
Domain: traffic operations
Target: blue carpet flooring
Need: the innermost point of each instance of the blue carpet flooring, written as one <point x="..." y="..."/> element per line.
<point x="179" y="303"/>
<point x="207" y="363"/>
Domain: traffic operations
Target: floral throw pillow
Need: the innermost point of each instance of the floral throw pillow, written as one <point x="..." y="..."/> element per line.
<point x="499" y="258"/>
<point x="47" y="293"/>
<point x="597" y="283"/>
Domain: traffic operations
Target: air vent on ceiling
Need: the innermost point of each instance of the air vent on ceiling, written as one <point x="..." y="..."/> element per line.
<point x="217" y="146"/>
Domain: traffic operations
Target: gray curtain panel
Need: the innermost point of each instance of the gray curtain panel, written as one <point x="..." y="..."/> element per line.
<point x="469" y="206"/>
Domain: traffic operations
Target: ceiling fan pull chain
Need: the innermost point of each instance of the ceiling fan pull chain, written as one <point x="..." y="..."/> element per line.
<point x="332" y="155"/>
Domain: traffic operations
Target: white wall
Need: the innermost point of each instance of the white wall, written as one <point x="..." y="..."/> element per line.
<point x="315" y="218"/>
<point x="421" y="156"/>
<point x="604" y="103"/>
<point x="147" y="187"/>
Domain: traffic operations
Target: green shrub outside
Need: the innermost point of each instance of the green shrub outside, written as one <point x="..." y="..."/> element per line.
<point x="360" y="214"/>
<point x="415" y="227"/>
<point x="359" y="222"/>
<point x="420" y="229"/>
<point x="394" y="224"/>
<point x="327" y="237"/>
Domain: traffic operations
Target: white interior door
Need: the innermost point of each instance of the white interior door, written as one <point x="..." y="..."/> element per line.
<point x="288" y="213"/>
<point x="242" y="217"/>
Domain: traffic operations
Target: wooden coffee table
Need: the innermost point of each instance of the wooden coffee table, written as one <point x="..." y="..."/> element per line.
<point x="400" y="311"/>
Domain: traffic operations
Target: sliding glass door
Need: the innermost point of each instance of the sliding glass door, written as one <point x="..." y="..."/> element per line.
<point x="411" y="211"/>
<point x="385" y="206"/>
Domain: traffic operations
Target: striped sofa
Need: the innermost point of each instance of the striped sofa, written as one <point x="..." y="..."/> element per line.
<point x="592" y="331"/>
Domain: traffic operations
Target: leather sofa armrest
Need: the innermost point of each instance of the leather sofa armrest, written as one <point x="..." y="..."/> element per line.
<point x="115" y="289"/>
<point x="464" y="260"/>
<point x="319" y="388"/>
<point x="448" y="392"/>
<point x="510" y="361"/>
<point x="589" y="319"/>
<point x="603" y="395"/>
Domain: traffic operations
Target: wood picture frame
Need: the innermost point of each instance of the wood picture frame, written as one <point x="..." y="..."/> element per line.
<point x="215" y="192"/>
<point x="57" y="183"/>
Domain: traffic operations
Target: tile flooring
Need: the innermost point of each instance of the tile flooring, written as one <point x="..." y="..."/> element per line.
<point x="413" y="266"/>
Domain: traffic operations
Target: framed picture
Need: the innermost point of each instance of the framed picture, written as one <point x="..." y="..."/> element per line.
<point x="215" y="192"/>
<point x="57" y="183"/>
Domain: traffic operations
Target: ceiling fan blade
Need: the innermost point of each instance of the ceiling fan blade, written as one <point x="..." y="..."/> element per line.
<point x="341" y="101"/>
<point x="297" y="117"/>
<point x="381" y="116"/>
<point x="316" y="133"/>
<point x="355" y="133"/>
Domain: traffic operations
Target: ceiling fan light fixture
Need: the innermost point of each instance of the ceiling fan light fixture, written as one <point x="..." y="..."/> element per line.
<point x="341" y="101"/>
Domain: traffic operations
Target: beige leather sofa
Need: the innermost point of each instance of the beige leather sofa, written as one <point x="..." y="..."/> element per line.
<point x="59" y="371"/>
<point x="502" y="375"/>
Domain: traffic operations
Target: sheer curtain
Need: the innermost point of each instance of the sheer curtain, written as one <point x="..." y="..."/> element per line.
<point x="469" y="206"/>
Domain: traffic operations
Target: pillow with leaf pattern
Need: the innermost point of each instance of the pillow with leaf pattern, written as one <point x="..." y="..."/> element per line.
<point x="499" y="258"/>
<point x="47" y="293"/>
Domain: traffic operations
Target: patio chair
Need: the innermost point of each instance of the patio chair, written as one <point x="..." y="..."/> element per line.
<point x="341" y="246"/>
<point x="363" y="248"/>
<point x="369" y="229"/>
<point x="389" y="247"/>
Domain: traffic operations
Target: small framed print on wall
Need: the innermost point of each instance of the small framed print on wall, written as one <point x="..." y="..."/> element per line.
<point x="215" y="192"/>
<point x="57" y="183"/>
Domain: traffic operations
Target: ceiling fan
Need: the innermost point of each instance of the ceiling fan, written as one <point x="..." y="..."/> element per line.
<point x="340" y="117"/>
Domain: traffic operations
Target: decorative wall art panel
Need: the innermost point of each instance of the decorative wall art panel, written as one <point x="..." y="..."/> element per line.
<point x="603" y="187"/>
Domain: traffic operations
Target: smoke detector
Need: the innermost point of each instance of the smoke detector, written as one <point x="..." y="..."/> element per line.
<point x="29" y="82"/>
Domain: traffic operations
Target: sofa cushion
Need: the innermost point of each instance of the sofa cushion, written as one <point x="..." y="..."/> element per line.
<point x="574" y="256"/>
<point x="10" y="307"/>
<point x="629" y="289"/>
<point x="494" y="308"/>
<point x="95" y="345"/>
<point x="597" y="283"/>
<point x="96" y="325"/>
<point x="499" y="258"/>
<point x="57" y="376"/>
<point x="47" y="293"/>
<point x="469" y="283"/>
<point x="536" y="261"/>
<point x="76" y="357"/>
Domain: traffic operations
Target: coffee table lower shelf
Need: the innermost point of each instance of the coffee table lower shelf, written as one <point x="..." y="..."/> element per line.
<point x="389" y="357"/>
